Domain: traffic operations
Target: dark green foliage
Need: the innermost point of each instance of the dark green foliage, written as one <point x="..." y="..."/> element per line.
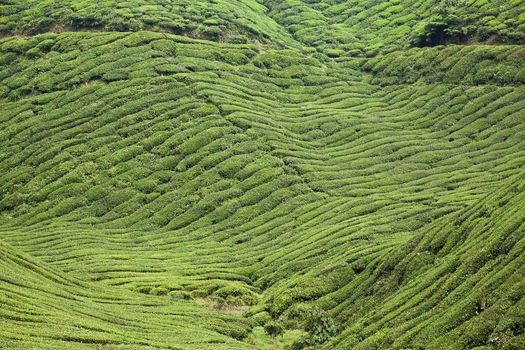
<point x="320" y="327"/>
<point x="364" y="28"/>
<point x="273" y="328"/>
<point x="450" y="22"/>
<point x="236" y="295"/>
<point x="457" y="21"/>
<point x="473" y="65"/>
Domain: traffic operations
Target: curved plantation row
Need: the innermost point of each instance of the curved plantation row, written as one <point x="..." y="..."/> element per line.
<point x="335" y="28"/>
<point x="236" y="21"/>
<point x="459" y="283"/>
<point x="44" y="308"/>
<point x="264" y="184"/>
<point x="467" y="65"/>
<point x="365" y="28"/>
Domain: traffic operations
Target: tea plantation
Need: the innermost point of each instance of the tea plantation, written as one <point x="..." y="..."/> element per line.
<point x="262" y="174"/>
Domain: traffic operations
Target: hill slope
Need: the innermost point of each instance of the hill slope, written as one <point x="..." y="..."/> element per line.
<point x="216" y="185"/>
<point x="43" y="308"/>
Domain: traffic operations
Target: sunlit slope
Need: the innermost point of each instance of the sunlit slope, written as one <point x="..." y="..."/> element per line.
<point x="146" y="130"/>
<point x="337" y="28"/>
<point x="236" y="21"/>
<point x="452" y="64"/>
<point x="458" y="284"/>
<point x="140" y="155"/>
<point x="42" y="308"/>
<point x="233" y="173"/>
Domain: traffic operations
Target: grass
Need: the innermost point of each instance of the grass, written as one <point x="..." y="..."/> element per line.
<point x="180" y="191"/>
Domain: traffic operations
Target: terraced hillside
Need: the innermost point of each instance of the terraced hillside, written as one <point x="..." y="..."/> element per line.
<point x="333" y="27"/>
<point x="169" y="186"/>
<point x="44" y="309"/>
<point x="355" y="27"/>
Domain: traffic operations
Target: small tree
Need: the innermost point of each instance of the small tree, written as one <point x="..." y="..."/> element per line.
<point x="450" y="21"/>
<point x="320" y="327"/>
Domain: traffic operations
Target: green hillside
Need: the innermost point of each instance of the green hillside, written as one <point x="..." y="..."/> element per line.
<point x="189" y="175"/>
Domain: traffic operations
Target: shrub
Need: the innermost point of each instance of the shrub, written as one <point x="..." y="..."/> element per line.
<point x="123" y="25"/>
<point x="88" y="21"/>
<point x="237" y="295"/>
<point x="34" y="53"/>
<point x="147" y="185"/>
<point x="334" y="52"/>
<point x="167" y="46"/>
<point x="159" y="291"/>
<point x="320" y="327"/>
<point x="273" y="328"/>
<point x="180" y="294"/>
<point x="209" y="32"/>
<point x="96" y="193"/>
<point x="115" y="75"/>
<point x="18" y="45"/>
<point x="429" y="33"/>
<point x="235" y="58"/>
<point x="261" y="318"/>
<point x="456" y="21"/>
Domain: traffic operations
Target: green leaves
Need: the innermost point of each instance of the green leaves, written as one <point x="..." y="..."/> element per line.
<point x="263" y="179"/>
<point x="273" y="328"/>
<point x="456" y="21"/>
<point x="320" y="327"/>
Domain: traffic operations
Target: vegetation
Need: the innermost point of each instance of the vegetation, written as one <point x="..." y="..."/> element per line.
<point x="262" y="175"/>
<point x="231" y="21"/>
<point x="460" y="21"/>
<point x="273" y="329"/>
<point x="337" y="28"/>
<point x="320" y="327"/>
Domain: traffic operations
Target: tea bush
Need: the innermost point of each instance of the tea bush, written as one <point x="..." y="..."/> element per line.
<point x="162" y="190"/>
